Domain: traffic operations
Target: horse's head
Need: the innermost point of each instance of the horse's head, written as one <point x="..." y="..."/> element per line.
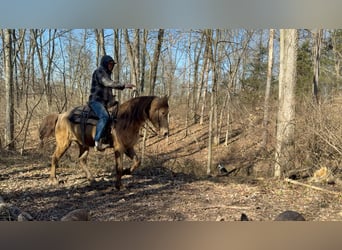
<point x="158" y="115"/>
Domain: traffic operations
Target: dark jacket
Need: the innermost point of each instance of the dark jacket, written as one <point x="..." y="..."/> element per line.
<point x="102" y="84"/>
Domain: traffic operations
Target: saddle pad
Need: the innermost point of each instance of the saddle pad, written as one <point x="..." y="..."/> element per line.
<point x="83" y="114"/>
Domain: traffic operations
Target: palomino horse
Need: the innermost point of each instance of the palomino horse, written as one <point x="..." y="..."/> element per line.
<point x="124" y="133"/>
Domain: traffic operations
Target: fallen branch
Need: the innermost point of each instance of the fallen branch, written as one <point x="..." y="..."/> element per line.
<point x="226" y="207"/>
<point x="312" y="187"/>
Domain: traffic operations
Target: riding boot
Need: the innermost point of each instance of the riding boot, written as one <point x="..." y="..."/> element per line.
<point x="99" y="146"/>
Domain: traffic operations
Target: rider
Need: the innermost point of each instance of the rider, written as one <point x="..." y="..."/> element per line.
<point x="101" y="96"/>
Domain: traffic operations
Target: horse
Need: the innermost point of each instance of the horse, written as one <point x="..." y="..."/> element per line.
<point x="123" y="133"/>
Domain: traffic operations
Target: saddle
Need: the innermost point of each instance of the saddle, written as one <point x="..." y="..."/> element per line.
<point x="84" y="116"/>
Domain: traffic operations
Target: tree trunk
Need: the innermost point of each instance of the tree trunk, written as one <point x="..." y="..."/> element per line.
<point x="136" y="56"/>
<point x="188" y="108"/>
<point x="268" y="89"/>
<point x="143" y="61"/>
<point x="131" y="58"/>
<point x="204" y="81"/>
<point x="117" y="58"/>
<point x="285" y="153"/>
<point x="211" y="134"/>
<point x="316" y="63"/>
<point x="197" y="86"/>
<point x="337" y="55"/>
<point x="46" y="75"/>
<point x="154" y="65"/>
<point x="9" y="134"/>
<point x="100" y="48"/>
<point x="22" y="65"/>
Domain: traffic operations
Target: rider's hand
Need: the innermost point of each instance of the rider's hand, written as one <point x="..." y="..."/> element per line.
<point x="129" y="86"/>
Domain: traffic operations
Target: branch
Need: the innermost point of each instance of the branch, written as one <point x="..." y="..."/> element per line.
<point x="312" y="187"/>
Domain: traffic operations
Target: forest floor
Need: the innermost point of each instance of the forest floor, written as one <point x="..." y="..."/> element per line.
<point x="171" y="184"/>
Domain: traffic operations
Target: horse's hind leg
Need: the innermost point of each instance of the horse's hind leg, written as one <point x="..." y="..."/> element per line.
<point x="83" y="156"/>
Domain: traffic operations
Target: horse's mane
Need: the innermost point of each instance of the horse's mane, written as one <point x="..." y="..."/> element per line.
<point x="137" y="109"/>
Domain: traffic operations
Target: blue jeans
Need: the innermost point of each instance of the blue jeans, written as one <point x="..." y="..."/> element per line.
<point x="103" y="116"/>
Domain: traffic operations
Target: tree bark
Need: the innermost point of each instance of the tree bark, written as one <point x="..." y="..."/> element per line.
<point x="285" y="153"/>
<point x="154" y="65"/>
<point x="100" y="41"/>
<point x="143" y="61"/>
<point x="209" y="35"/>
<point x="268" y="89"/>
<point x="9" y="134"/>
<point x="117" y="58"/>
<point x="316" y="63"/>
<point x="131" y="58"/>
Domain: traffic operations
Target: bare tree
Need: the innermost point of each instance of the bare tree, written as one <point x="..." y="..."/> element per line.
<point x="204" y="77"/>
<point x="100" y="42"/>
<point x="188" y="108"/>
<point x="133" y="55"/>
<point x="209" y="36"/>
<point x="268" y="88"/>
<point x="233" y="76"/>
<point x="46" y="72"/>
<point x="197" y="85"/>
<point x="286" y="111"/>
<point x="143" y="61"/>
<point x="316" y="62"/>
<point x="154" y="64"/>
<point x="9" y="134"/>
<point x="336" y="44"/>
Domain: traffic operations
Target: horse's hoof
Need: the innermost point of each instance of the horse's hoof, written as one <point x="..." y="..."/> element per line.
<point x="53" y="181"/>
<point x="92" y="182"/>
<point x="126" y="171"/>
<point x="118" y="187"/>
<point x="91" y="179"/>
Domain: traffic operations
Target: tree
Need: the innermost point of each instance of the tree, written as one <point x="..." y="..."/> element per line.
<point x="9" y="134"/>
<point x="133" y="53"/>
<point x="316" y="63"/>
<point x="257" y="68"/>
<point x="286" y="110"/>
<point x="46" y="73"/>
<point x="304" y="68"/>
<point x="154" y="64"/>
<point x="268" y="88"/>
<point x="100" y="42"/>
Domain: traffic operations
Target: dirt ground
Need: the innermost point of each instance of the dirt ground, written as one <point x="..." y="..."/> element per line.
<point x="171" y="184"/>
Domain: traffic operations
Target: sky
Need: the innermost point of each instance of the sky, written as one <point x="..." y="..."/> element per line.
<point x="171" y="14"/>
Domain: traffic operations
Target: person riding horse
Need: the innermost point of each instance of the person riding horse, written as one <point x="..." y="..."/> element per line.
<point x="101" y="96"/>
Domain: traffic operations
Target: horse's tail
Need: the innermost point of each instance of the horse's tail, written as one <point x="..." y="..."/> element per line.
<point x="47" y="127"/>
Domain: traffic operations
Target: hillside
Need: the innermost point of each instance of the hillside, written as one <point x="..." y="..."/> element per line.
<point x="171" y="184"/>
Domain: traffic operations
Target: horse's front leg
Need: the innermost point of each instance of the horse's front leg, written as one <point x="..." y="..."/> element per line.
<point x="136" y="161"/>
<point x="119" y="169"/>
<point x="83" y="156"/>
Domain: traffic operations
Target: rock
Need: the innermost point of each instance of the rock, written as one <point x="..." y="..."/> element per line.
<point x="290" y="216"/>
<point x="244" y="217"/>
<point x="4" y="212"/>
<point x="77" y="215"/>
<point x="9" y="212"/>
<point x="24" y="216"/>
